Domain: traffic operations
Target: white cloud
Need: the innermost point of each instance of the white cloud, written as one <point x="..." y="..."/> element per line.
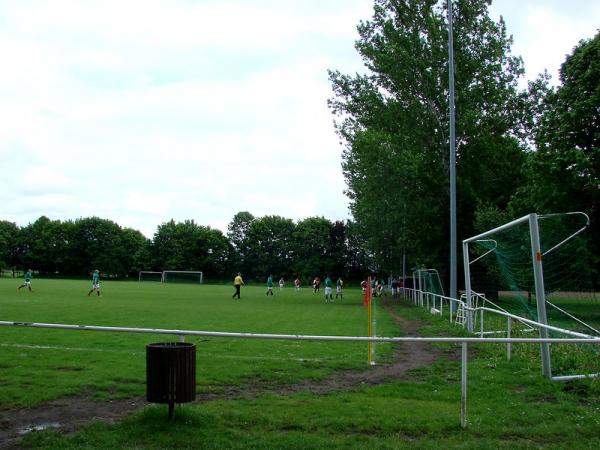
<point x="143" y="111"/>
<point x="545" y="31"/>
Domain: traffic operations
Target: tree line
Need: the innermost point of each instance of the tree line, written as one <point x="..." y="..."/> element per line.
<point x="518" y="150"/>
<point x="255" y="246"/>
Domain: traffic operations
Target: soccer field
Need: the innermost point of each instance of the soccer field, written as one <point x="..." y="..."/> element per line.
<point x="244" y="401"/>
<point x="42" y="364"/>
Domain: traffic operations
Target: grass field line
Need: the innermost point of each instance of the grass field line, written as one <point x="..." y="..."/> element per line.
<point x="211" y="354"/>
<point x="59" y="347"/>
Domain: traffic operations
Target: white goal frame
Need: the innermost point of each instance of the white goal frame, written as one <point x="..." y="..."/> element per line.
<point x="536" y="258"/>
<point x="197" y="272"/>
<point x="148" y="271"/>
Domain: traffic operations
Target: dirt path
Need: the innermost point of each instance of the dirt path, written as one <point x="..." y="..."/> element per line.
<point x="71" y="413"/>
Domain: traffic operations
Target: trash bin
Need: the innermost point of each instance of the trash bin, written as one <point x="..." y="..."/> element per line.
<point x="171" y="373"/>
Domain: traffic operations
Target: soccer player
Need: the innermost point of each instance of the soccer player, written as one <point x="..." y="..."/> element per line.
<point x="338" y="288"/>
<point x="317" y="284"/>
<point x="270" y="285"/>
<point x="237" y="282"/>
<point x="95" y="283"/>
<point x="328" y="289"/>
<point x="297" y="284"/>
<point x="394" y="287"/>
<point x="379" y="288"/>
<point x="281" y="283"/>
<point x="363" y="285"/>
<point x="27" y="280"/>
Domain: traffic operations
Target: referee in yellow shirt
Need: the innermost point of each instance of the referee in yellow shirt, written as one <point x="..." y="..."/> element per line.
<point x="237" y="282"/>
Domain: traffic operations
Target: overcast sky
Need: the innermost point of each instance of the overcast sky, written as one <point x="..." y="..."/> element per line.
<point x="140" y="111"/>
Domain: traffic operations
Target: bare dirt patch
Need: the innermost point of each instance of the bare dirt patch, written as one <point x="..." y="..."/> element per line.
<point x="69" y="414"/>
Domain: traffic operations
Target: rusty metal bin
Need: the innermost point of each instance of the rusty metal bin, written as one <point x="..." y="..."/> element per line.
<point x="171" y="373"/>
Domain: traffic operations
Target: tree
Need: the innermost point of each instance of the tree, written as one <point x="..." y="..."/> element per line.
<point x="337" y="249"/>
<point x="135" y="251"/>
<point x="563" y="173"/>
<point x="310" y="244"/>
<point x="237" y="232"/>
<point x="212" y="252"/>
<point x="269" y="247"/>
<point x="393" y="121"/>
<point x="44" y="245"/>
<point x="189" y="246"/>
<point x="9" y="238"/>
<point x="359" y="262"/>
<point x="96" y="244"/>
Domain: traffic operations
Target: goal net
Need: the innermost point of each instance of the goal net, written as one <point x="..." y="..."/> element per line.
<point x="182" y="276"/>
<point x="539" y="268"/>
<point x="146" y="275"/>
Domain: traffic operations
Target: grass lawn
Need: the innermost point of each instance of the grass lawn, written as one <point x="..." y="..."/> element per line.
<point x="510" y="404"/>
<point x="41" y="364"/>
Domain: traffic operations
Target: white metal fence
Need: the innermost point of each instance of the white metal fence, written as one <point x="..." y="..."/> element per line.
<point x="435" y="304"/>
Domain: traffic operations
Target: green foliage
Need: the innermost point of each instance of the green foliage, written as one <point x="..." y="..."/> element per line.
<point x="394" y="122"/>
<point x="9" y="238"/>
<point x="189" y="246"/>
<point x="269" y="243"/>
<point x="563" y="174"/>
<point x="237" y="232"/>
<point x="254" y="246"/>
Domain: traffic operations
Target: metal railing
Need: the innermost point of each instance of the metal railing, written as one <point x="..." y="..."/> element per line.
<point x="421" y="298"/>
<point x="464" y="341"/>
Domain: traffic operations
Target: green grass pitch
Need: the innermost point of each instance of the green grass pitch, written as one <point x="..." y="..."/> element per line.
<point x="510" y="404"/>
<point x="43" y="364"/>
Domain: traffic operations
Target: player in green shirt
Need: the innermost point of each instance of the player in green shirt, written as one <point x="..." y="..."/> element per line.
<point x="27" y="280"/>
<point x="95" y="283"/>
<point x="328" y="290"/>
<point x="270" y="285"/>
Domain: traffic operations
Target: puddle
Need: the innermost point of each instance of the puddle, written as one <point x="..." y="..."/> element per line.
<point x="38" y="427"/>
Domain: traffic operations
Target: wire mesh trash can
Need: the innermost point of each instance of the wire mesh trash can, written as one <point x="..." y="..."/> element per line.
<point x="171" y="373"/>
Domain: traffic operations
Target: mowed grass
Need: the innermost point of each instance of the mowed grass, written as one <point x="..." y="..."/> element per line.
<point x="509" y="404"/>
<point x="38" y="365"/>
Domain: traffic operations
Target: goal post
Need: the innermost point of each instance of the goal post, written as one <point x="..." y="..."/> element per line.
<point x="182" y="276"/>
<point x="148" y="275"/>
<point x="531" y="222"/>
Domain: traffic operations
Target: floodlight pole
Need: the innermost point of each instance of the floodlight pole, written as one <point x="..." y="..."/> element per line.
<point x="453" y="276"/>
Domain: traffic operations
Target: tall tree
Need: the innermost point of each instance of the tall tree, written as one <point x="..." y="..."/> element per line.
<point x="359" y="260"/>
<point x="394" y="123"/>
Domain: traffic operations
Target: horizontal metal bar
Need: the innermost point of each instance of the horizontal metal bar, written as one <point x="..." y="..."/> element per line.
<point x="497" y="229"/>
<point x="574" y="318"/>
<point x="517" y="318"/>
<point x="299" y="336"/>
<point x="534" y="323"/>
<point x="576" y="377"/>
